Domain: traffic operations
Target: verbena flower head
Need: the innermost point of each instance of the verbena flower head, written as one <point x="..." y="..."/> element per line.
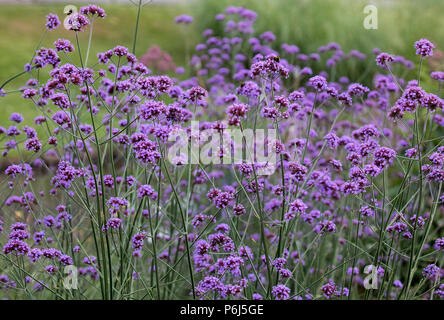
<point x="269" y="68"/>
<point x="424" y="48"/>
<point x="77" y="22"/>
<point x="383" y="59"/>
<point x="185" y="19"/>
<point x="93" y="10"/>
<point x="431" y="272"/>
<point x="437" y="75"/>
<point x="319" y="83"/>
<point x="281" y="292"/>
<point x="52" y="21"/>
<point x="63" y="45"/>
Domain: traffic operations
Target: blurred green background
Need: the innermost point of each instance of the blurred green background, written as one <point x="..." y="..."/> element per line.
<point x="306" y="23"/>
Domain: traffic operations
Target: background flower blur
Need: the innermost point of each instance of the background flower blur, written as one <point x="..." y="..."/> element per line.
<point x="91" y="93"/>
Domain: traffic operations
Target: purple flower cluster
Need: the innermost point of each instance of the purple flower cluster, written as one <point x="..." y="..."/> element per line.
<point x="52" y="21"/>
<point x="353" y="173"/>
<point x="424" y="48"/>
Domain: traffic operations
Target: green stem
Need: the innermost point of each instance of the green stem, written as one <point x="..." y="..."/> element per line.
<point x="89" y="40"/>
<point x="137" y="27"/>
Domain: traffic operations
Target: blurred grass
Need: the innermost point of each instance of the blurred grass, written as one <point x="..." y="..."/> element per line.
<point x="22" y="27"/>
<point x="313" y="23"/>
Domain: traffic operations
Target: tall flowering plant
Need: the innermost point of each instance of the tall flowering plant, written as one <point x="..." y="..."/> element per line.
<point x="94" y="206"/>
